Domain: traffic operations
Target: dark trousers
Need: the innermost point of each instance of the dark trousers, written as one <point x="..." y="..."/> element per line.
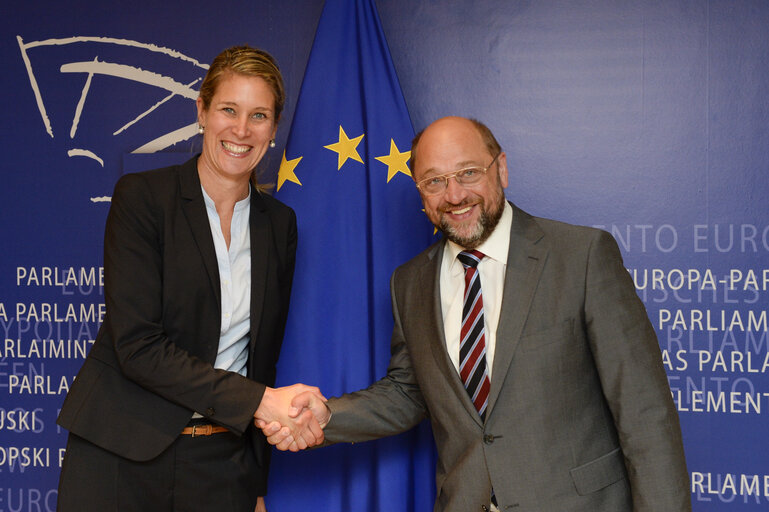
<point x="207" y="473"/>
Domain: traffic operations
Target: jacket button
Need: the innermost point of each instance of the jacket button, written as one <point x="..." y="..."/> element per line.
<point x="210" y="411"/>
<point x="488" y="438"/>
<point x="484" y="508"/>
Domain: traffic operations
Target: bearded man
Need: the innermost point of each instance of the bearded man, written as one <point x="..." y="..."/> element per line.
<point x="523" y="341"/>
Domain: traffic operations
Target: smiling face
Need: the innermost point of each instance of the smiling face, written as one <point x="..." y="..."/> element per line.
<point x="239" y="124"/>
<point x="465" y="214"/>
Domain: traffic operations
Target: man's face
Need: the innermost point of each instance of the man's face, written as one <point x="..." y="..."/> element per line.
<point x="465" y="214"/>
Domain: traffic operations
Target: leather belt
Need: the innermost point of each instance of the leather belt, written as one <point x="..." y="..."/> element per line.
<point x="203" y="430"/>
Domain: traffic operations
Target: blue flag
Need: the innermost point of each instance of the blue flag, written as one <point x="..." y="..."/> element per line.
<point x="345" y="172"/>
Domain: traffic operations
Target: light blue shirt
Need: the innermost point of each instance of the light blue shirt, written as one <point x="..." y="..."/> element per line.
<point x="235" y="280"/>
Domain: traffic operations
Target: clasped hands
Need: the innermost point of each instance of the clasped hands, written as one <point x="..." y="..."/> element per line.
<point x="292" y="417"/>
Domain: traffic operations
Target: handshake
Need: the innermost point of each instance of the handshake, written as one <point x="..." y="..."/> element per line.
<point x="293" y="417"/>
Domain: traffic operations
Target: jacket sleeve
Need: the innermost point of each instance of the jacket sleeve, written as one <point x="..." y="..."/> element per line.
<point x="627" y="356"/>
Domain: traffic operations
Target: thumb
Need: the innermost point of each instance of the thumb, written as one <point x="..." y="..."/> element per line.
<point x="300" y="402"/>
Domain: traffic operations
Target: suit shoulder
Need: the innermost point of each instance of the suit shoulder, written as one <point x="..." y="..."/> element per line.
<point x="273" y="204"/>
<point x="570" y="235"/>
<point x="281" y="215"/>
<point x="160" y="179"/>
<point x="582" y="246"/>
<point x="416" y="265"/>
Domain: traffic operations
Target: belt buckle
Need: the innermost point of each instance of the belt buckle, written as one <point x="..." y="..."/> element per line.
<point x="205" y="430"/>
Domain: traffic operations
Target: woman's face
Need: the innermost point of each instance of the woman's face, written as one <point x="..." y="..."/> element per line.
<point x="239" y="124"/>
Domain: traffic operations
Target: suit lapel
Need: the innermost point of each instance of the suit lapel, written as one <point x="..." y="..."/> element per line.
<point x="429" y="292"/>
<point x="261" y="242"/>
<point x="195" y="211"/>
<point x="525" y="261"/>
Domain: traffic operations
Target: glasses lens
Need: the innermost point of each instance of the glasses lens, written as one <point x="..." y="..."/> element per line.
<point x="434" y="186"/>
<point x="470" y="176"/>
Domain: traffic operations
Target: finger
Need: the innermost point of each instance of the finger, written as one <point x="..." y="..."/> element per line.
<point x="281" y="434"/>
<point x="301" y="438"/>
<point x="285" y="444"/>
<point x="300" y="443"/>
<point x="278" y="438"/>
<point x="300" y="402"/>
<point x="314" y="427"/>
<point x="308" y="438"/>
<point x="312" y="430"/>
<point x="271" y="428"/>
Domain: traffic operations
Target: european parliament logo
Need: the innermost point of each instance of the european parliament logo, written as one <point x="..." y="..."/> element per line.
<point x="106" y="97"/>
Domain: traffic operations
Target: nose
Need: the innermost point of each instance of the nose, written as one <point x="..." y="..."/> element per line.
<point x="241" y="127"/>
<point x="455" y="193"/>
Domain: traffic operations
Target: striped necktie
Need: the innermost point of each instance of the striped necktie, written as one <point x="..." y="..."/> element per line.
<point x="472" y="341"/>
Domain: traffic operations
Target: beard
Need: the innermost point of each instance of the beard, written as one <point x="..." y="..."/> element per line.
<point x="473" y="236"/>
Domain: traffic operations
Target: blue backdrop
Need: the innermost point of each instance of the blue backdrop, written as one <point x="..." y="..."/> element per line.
<point x="648" y="118"/>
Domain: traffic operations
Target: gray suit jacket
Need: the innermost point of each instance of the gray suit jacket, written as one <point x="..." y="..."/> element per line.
<point x="580" y="416"/>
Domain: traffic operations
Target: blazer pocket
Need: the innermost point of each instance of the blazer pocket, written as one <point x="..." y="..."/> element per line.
<point x="538" y="339"/>
<point x="599" y="473"/>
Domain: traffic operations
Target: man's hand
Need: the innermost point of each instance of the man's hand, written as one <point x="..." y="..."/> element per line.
<point x="302" y="427"/>
<point x="302" y="404"/>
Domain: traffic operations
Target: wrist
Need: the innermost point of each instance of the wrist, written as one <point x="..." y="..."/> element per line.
<point x="268" y="397"/>
<point x="325" y="421"/>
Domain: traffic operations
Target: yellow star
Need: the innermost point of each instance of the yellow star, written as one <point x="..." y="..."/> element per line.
<point x="346" y="148"/>
<point x="395" y="161"/>
<point x="286" y="171"/>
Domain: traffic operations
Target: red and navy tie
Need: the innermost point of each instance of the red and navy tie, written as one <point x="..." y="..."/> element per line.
<point x="472" y="340"/>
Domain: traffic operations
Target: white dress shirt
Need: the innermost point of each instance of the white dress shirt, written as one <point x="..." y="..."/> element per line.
<point x="492" y="274"/>
<point x="235" y="281"/>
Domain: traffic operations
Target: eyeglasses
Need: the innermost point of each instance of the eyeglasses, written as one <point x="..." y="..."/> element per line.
<point x="466" y="177"/>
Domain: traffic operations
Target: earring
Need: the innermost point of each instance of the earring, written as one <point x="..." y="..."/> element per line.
<point x="201" y="129"/>
<point x="272" y="143"/>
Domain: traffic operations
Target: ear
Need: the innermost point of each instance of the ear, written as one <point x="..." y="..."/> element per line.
<point x="275" y="123"/>
<point x="201" y="111"/>
<point x="502" y="169"/>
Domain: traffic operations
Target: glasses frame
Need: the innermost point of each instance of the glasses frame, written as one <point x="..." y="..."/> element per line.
<point x="454" y="174"/>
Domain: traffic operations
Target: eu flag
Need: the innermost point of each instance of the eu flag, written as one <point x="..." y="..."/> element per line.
<point x="345" y="172"/>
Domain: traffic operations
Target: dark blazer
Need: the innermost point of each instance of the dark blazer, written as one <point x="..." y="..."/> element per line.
<point x="580" y="415"/>
<point x="151" y="364"/>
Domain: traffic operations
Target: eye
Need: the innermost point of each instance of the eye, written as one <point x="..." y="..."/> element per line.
<point x="259" y="115"/>
<point x="434" y="181"/>
<point x="228" y="110"/>
<point x="468" y="173"/>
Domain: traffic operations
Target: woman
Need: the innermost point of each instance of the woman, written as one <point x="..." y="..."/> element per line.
<point x="198" y="267"/>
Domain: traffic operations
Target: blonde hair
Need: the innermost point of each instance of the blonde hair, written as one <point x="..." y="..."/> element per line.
<point x="248" y="61"/>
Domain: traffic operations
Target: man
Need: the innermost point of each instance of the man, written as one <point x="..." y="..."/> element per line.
<point x="544" y="384"/>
